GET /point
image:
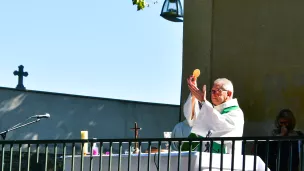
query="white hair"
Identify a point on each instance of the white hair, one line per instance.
(225, 83)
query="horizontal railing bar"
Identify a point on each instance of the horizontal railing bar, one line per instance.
(264, 138)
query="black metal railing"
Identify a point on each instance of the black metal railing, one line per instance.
(154, 154)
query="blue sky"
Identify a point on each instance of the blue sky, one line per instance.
(95, 48)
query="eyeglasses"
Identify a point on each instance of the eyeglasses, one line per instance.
(217, 91)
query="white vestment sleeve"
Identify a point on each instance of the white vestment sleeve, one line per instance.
(188, 110)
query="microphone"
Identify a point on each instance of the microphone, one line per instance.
(42, 116)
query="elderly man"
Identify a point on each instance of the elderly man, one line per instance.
(225, 119)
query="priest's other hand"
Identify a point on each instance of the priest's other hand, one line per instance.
(200, 95)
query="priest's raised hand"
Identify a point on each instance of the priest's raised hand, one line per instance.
(200, 95)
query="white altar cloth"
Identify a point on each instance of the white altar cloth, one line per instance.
(238, 162)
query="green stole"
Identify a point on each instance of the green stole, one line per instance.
(216, 147)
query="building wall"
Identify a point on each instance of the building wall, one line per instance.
(197, 40)
(103, 118)
(257, 44)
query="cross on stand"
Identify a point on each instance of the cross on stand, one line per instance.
(20, 73)
(136, 129)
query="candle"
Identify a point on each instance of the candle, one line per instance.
(84, 136)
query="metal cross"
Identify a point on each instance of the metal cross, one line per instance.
(20, 73)
(136, 129)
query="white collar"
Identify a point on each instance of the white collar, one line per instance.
(229, 103)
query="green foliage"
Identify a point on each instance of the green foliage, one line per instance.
(141, 4)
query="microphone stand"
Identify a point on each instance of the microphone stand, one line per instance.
(3, 134)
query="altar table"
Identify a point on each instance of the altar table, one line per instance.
(184, 159)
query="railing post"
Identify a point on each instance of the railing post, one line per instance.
(3, 157)
(189, 155)
(179, 155)
(20, 156)
(279, 156)
(211, 157)
(200, 155)
(301, 156)
(169, 155)
(138, 155)
(222, 155)
(119, 157)
(255, 154)
(149, 156)
(244, 156)
(267, 154)
(232, 155)
(100, 155)
(46, 157)
(11, 156)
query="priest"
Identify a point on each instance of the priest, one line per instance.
(222, 119)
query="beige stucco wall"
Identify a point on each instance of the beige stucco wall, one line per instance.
(196, 42)
(257, 44)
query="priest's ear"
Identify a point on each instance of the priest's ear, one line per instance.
(229, 93)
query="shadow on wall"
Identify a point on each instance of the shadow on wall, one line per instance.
(11, 104)
(102, 118)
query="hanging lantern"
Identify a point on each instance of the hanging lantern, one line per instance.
(172, 10)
